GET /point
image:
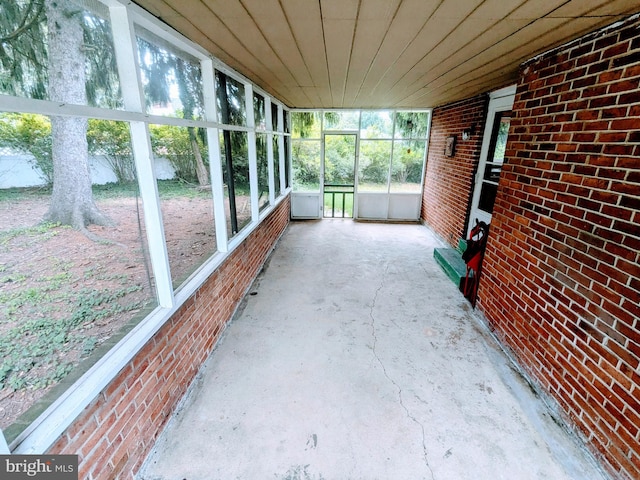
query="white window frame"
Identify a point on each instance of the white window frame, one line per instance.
(49, 425)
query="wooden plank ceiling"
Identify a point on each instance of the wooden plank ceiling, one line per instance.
(382, 53)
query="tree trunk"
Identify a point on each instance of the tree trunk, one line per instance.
(201, 169)
(71, 199)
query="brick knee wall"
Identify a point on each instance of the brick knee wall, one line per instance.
(114, 434)
(449, 180)
(561, 275)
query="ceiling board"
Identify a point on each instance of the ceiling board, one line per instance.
(203, 22)
(245, 31)
(338, 39)
(409, 20)
(481, 65)
(368, 38)
(374, 20)
(338, 9)
(270, 20)
(382, 53)
(534, 9)
(576, 8)
(305, 21)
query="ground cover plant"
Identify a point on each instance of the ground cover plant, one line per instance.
(62, 295)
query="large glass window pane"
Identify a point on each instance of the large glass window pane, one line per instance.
(171, 78)
(499, 137)
(232, 109)
(235, 169)
(306, 165)
(306, 124)
(493, 166)
(376, 124)
(339, 174)
(72, 63)
(274, 117)
(259, 111)
(406, 171)
(411, 125)
(339, 159)
(183, 153)
(187, 209)
(263, 170)
(64, 294)
(497, 146)
(373, 165)
(342, 120)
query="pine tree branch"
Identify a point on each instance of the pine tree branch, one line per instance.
(26, 22)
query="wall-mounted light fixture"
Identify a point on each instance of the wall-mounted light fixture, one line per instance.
(467, 133)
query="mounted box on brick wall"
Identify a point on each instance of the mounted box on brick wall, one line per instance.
(561, 280)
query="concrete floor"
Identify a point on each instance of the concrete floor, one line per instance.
(356, 358)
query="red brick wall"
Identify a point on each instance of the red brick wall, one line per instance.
(448, 180)
(561, 276)
(114, 434)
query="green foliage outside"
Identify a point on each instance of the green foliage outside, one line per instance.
(388, 154)
(339, 156)
(373, 168)
(376, 124)
(113, 140)
(305, 163)
(408, 157)
(240, 160)
(29, 133)
(305, 125)
(40, 342)
(174, 144)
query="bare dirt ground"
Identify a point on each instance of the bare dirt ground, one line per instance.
(63, 295)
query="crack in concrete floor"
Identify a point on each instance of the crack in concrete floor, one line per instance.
(386, 374)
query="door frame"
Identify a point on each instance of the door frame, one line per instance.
(356, 134)
(499, 101)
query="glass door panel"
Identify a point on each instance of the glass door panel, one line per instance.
(495, 160)
(492, 157)
(340, 150)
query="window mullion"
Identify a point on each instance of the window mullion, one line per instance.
(126, 55)
(224, 110)
(215, 161)
(281, 149)
(269, 121)
(253, 157)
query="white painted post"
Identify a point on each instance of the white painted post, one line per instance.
(281, 149)
(124, 42)
(215, 161)
(253, 157)
(272, 183)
